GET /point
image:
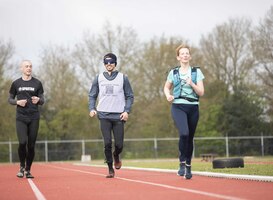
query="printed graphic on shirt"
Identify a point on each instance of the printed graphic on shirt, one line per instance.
(111, 95)
(26, 89)
(109, 89)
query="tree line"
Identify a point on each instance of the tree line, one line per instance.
(236, 58)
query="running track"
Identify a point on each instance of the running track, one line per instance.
(67, 181)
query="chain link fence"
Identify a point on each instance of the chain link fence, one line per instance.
(137, 148)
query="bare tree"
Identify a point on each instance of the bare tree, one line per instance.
(6, 52)
(88, 54)
(7, 112)
(158, 57)
(227, 52)
(262, 46)
(62, 87)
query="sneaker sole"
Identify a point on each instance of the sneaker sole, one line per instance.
(29, 175)
(110, 176)
(118, 165)
(187, 177)
(20, 174)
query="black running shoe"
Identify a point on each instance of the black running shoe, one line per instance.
(181, 170)
(20, 174)
(111, 173)
(28, 174)
(188, 174)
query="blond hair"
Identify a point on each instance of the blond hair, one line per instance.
(181, 47)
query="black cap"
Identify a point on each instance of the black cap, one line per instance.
(111, 56)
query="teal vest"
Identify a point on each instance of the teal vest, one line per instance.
(177, 84)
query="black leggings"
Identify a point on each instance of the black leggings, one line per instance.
(108, 126)
(186, 118)
(27, 132)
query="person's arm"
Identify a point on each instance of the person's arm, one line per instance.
(12, 95)
(167, 91)
(12, 99)
(129, 95)
(198, 87)
(93, 94)
(39, 99)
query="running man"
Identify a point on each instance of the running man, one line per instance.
(115, 99)
(26, 93)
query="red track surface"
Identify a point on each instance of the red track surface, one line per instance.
(67, 181)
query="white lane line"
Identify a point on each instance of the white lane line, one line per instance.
(157, 184)
(183, 189)
(36, 191)
(207, 174)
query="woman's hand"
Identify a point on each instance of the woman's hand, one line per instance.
(170, 98)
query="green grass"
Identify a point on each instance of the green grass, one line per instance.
(252, 165)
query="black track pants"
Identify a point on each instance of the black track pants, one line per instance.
(27, 132)
(108, 127)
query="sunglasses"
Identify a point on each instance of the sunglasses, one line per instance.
(109, 61)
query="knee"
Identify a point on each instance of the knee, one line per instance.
(183, 135)
(108, 146)
(118, 148)
(31, 147)
(183, 132)
(119, 144)
(22, 145)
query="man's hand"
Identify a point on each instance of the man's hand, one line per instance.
(92, 113)
(22, 102)
(35, 99)
(124, 116)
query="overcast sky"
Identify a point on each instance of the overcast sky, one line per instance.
(31, 24)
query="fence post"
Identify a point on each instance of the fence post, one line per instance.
(10, 152)
(227, 149)
(83, 147)
(46, 151)
(155, 147)
(262, 144)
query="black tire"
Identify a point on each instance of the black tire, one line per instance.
(228, 163)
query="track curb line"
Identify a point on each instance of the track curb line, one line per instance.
(208, 174)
